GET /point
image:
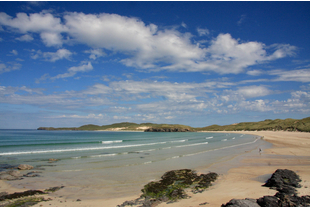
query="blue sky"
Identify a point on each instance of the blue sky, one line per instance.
(65, 64)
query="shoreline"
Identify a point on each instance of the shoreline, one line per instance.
(242, 178)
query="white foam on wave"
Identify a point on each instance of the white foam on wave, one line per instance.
(234, 138)
(166, 148)
(190, 145)
(184, 140)
(72, 170)
(111, 142)
(224, 140)
(209, 137)
(149, 162)
(104, 155)
(78, 149)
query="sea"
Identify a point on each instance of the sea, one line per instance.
(106, 164)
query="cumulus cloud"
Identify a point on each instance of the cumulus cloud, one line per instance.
(146, 46)
(254, 91)
(255, 72)
(302, 75)
(9, 67)
(59, 54)
(95, 53)
(74, 70)
(25, 38)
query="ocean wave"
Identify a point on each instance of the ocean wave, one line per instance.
(111, 142)
(184, 140)
(224, 140)
(209, 137)
(104, 155)
(190, 145)
(29, 144)
(77, 149)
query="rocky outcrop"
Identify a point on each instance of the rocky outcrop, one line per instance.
(172, 187)
(248, 202)
(285, 182)
(24, 167)
(169, 130)
(10, 175)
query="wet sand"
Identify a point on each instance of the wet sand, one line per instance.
(241, 177)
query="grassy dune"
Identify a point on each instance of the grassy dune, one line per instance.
(302, 125)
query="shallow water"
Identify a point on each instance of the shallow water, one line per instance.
(95, 164)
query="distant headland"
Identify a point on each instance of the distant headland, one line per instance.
(301, 125)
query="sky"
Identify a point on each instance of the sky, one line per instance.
(67, 64)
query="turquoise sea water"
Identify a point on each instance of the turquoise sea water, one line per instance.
(113, 162)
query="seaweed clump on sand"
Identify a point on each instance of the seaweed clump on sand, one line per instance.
(25, 198)
(172, 187)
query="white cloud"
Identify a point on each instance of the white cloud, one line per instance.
(254, 91)
(25, 38)
(257, 105)
(75, 116)
(184, 25)
(51, 38)
(46, 24)
(14, 52)
(282, 50)
(302, 75)
(203, 32)
(74, 70)
(146, 46)
(9, 67)
(59, 54)
(255, 72)
(95, 53)
(241, 20)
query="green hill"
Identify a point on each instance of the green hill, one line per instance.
(302, 125)
(120, 127)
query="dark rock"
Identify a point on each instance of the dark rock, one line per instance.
(24, 167)
(284, 181)
(21, 194)
(268, 201)
(4, 167)
(10, 175)
(32, 174)
(292, 200)
(78, 200)
(53, 189)
(241, 203)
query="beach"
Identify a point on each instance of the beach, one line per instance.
(240, 177)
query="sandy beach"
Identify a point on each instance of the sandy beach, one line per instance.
(242, 176)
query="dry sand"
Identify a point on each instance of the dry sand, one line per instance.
(290, 150)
